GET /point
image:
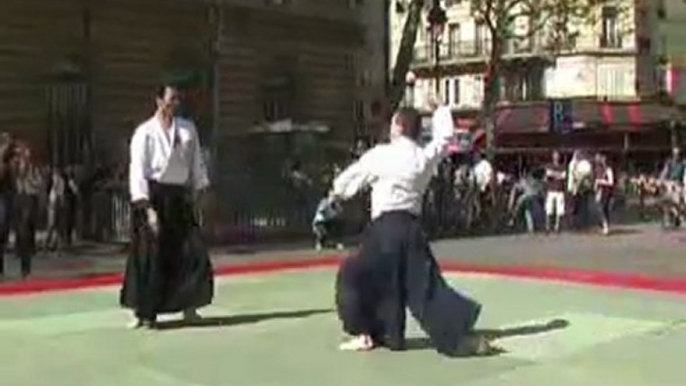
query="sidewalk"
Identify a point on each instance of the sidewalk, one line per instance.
(633, 250)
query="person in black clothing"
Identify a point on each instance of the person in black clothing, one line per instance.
(7, 150)
(27, 187)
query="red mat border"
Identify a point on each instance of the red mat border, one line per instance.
(596, 278)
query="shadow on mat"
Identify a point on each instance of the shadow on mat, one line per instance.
(423, 343)
(235, 320)
(533, 329)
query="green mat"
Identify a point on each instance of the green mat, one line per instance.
(280, 329)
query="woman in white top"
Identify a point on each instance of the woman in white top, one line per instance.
(580, 186)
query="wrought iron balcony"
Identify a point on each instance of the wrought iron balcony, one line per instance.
(611, 42)
(472, 50)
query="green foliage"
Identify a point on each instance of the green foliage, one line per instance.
(556, 23)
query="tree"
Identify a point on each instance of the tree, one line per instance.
(554, 22)
(405, 52)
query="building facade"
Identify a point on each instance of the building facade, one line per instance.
(620, 70)
(77, 76)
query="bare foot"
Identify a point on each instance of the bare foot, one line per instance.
(358, 343)
(135, 324)
(479, 345)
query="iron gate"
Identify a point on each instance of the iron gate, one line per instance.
(69, 132)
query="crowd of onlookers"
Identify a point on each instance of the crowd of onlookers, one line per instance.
(34, 196)
(549, 196)
(546, 196)
(470, 194)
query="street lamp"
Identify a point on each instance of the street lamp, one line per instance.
(437, 19)
(410, 79)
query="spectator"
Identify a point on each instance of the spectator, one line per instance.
(604, 184)
(555, 197)
(27, 187)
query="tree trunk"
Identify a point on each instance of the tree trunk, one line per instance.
(405, 53)
(491, 97)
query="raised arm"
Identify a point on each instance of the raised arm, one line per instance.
(442, 131)
(356, 177)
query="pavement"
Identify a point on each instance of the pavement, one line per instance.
(639, 249)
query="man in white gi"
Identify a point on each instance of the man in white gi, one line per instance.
(395, 268)
(168, 269)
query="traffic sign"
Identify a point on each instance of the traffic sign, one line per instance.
(561, 116)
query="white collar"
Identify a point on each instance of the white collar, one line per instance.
(168, 137)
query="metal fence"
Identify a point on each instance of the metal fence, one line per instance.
(448, 211)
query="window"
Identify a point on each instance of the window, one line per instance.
(455, 93)
(278, 94)
(478, 84)
(525, 85)
(358, 111)
(453, 38)
(615, 81)
(451, 91)
(481, 38)
(535, 84)
(446, 90)
(610, 28)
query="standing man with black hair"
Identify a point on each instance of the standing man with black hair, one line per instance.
(168, 269)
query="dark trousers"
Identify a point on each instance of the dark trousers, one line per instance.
(395, 270)
(581, 203)
(603, 205)
(26, 206)
(327, 232)
(5, 226)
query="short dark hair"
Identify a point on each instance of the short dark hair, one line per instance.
(410, 120)
(162, 89)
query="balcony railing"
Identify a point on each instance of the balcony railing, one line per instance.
(471, 50)
(612, 42)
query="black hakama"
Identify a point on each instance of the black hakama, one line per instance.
(169, 272)
(396, 269)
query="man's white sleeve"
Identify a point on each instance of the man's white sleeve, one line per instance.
(139, 154)
(442, 131)
(357, 176)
